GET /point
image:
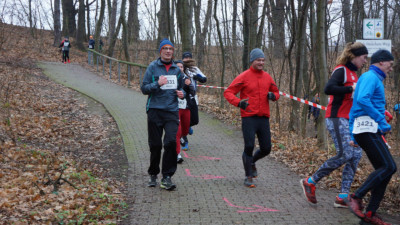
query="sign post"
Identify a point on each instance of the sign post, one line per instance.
(373, 33)
(373, 29)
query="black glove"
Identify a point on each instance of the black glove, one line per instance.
(243, 103)
(271, 96)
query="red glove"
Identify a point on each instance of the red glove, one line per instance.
(388, 116)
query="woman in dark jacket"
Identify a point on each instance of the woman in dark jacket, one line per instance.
(340, 88)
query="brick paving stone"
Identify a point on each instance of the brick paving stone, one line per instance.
(197, 200)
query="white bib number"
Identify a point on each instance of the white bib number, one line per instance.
(90, 46)
(364, 124)
(182, 103)
(172, 82)
(196, 99)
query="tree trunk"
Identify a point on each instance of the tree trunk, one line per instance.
(57, 23)
(124, 30)
(250, 17)
(81, 32)
(69, 23)
(133, 21)
(221, 45)
(346, 14)
(234, 19)
(99, 25)
(322, 68)
(260, 33)
(301, 57)
(163, 21)
(184, 24)
(114, 39)
(30, 19)
(278, 23)
(201, 43)
(172, 23)
(358, 17)
(112, 19)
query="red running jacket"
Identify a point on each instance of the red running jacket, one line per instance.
(254, 85)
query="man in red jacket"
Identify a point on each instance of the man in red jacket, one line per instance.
(256, 88)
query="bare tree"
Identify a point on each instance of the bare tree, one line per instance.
(301, 58)
(99, 24)
(234, 22)
(112, 13)
(81, 32)
(200, 42)
(346, 14)
(184, 24)
(87, 5)
(322, 67)
(69, 22)
(163, 21)
(133, 21)
(221, 45)
(57, 23)
(250, 18)
(278, 23)
(358, 15)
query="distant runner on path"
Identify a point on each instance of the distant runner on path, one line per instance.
(163, 82)
(256, 88)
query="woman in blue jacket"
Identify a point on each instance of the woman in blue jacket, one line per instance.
(367, 125)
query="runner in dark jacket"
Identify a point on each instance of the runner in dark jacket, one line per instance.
(340, 88)
(162, 82)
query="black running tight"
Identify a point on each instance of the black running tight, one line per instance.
(383, 163)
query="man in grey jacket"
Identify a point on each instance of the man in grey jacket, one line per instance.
(163, 82)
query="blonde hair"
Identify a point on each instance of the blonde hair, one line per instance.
(347, 55)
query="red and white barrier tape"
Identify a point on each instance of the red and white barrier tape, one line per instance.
(281, 93)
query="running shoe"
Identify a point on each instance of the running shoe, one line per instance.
(254, 171)
(190, 131)
(340, 203)
(180, 159)
(185, 147)
(69, 61)
(166, 183)
(152, 181)
(65, 62)
(355, 206)
(248, 182)
(373, 219)
(182, 141)
(308, 190)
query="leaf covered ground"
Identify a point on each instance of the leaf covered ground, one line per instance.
(62, 163)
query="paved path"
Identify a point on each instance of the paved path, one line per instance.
(210, 186)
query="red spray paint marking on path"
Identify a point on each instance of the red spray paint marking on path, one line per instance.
(205, 176)
(250, 209)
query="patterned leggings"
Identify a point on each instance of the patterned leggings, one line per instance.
(345, 154)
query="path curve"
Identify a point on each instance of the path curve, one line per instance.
(210, 186)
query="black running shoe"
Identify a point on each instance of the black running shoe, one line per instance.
(167, 184)
(254, 171)
(248, 182)
(152, 181)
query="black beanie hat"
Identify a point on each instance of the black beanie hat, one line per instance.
(178, 61)
(187, 55)
(360, 51)
(381, 56)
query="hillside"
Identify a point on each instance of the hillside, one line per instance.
(44, 124)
